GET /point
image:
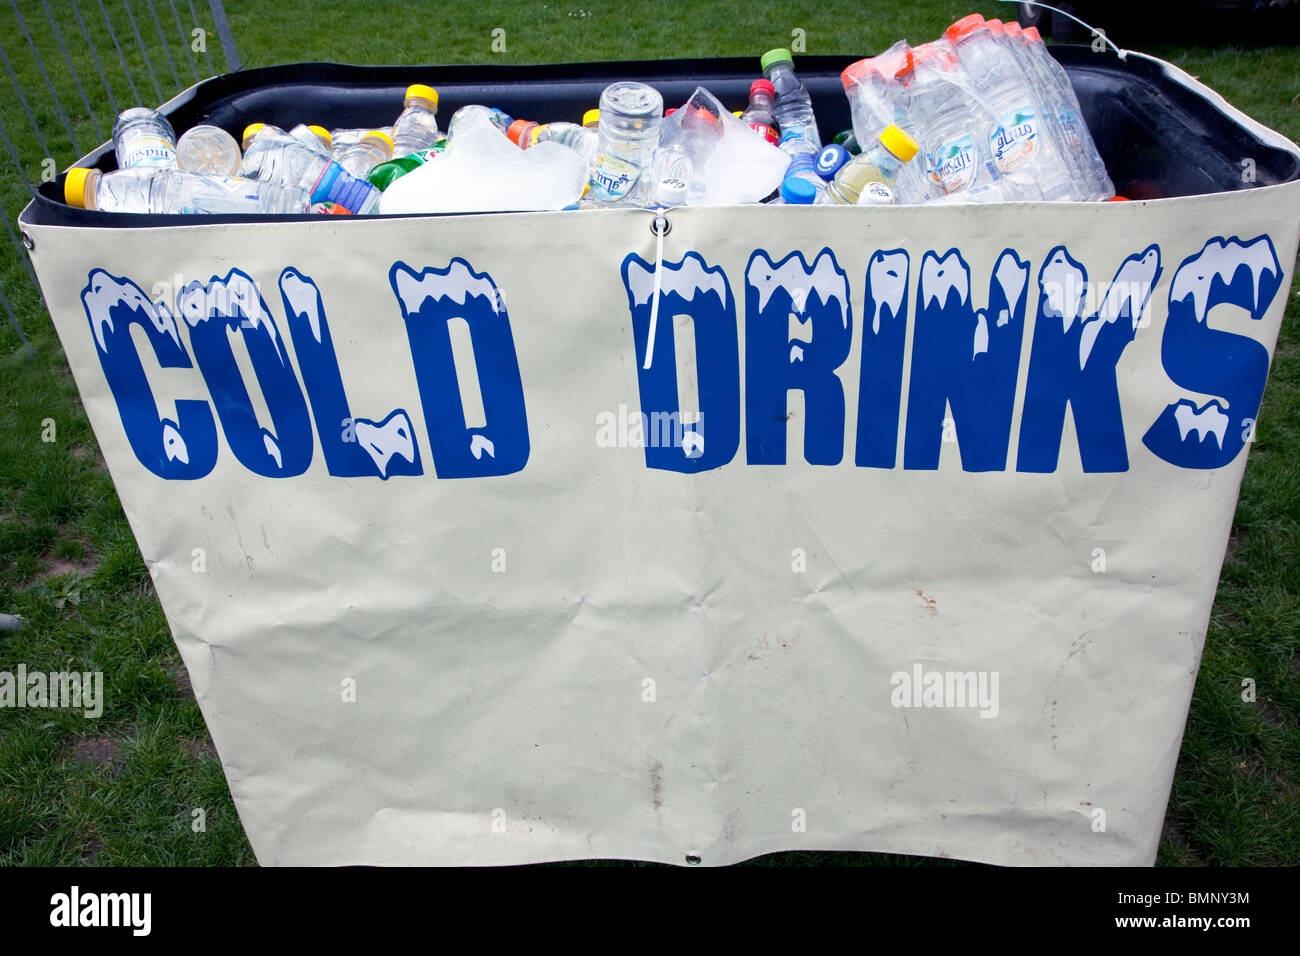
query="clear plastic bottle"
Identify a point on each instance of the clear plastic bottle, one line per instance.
(144, 137)
(497, 118)
(315, 138)
(1100, 185)
(628, 134)
(162, 191)
(869, 179)
(374, 148)
(1018, 139)
(793, 110)
(208, 149)
(950, 122)
(417, 127)
(758, 116)
(275, 156)
(580, 138)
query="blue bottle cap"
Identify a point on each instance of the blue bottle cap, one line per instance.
(798, 191)
(830, 159)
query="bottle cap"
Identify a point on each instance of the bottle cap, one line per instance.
(75, 185)
(250, 131)
(1012, 29)
(965, 26)
(856, 73)
(1032, 35)
(764, 86)
(671, 191)
(830, 159)
(797, 191)
(590, 117)
(421, 92)
(738, 113)
(779, 55)
(518, 132)
(380, 135)
(898, 143)
(670, 112)
(323, 133)
(997, 27)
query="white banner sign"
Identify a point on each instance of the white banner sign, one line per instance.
(891, 529)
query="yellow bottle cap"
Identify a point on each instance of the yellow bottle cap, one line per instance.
(380, 134)
(737, 113)
(420, 91)
(591, 116)
(74, 186)
(898, 143)
(323, 133)
(250, 131)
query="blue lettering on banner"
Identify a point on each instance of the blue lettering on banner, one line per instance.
(1073, 362)
(884, 335)
(428, 299)
(964, 359)
(817, 297)
(1210, 361)
(233, 303)
(692, 289)
(798, 335)
(182, 449)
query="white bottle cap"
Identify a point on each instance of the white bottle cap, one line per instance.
(671, 192)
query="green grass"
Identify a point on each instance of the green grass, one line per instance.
(121, 789)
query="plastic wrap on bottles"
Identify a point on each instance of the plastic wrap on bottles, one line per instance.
(482, 171)
(728, 161)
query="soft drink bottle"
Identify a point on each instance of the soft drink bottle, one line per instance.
(144, 137)
(417, 127)
(758, 115)
(869, 179)
(163, 190)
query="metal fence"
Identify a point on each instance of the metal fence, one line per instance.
(73, 66)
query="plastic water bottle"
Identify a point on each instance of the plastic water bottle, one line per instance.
(374, 148)
(274, 156)
(1099, 186)
(758, 116)
(163, 190)
(630, 115)
(417, 126)
(208, 149)
(580, 138)
(497, 118)
(144, 137)
(1018, 138)
(869, 179)
(957, 154)
(315, 138)
(793, 111)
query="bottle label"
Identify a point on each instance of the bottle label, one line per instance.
(614, 178)
(1015, 139)
(952, 165)
(1070, 127)
(336, 185)
(876, 194)
(791, 133)
(765, 131)
(147, 149)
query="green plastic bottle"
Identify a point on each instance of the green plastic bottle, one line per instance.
(382, 176)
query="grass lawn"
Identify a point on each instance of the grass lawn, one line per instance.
(121, 789)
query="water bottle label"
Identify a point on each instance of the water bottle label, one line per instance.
(791, 133)
(613, 178)
(1015, 139)
(769, 134)
(147, 149)
(876, 194)
(336, 185)
(1070, 127)
(952, 165)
